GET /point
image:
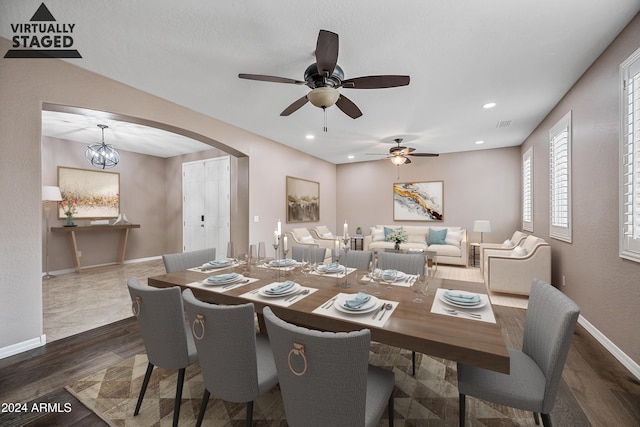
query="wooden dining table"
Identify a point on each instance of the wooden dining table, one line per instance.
(410, 326)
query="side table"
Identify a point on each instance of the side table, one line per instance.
(475, 250)
(357, 243)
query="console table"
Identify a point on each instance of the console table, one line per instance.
(122, 247)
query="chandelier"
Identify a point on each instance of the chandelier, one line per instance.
(102, 155)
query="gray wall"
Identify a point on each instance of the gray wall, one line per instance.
(477, 185)
(606, 287)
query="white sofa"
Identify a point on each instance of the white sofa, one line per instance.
(512, 270)
(454, 251)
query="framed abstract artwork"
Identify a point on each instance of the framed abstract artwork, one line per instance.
(303, 200)
(91, 193)
(418, 201)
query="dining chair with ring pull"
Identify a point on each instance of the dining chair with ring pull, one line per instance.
(168, 343)
(236, 363)
(325, 377)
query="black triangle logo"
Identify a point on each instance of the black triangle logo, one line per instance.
(42, 14)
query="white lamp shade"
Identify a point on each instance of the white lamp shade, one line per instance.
(482, 226)
(51, 193)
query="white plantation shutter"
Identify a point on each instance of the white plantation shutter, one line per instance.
(630, 159)
(527, 190)
(560, 179)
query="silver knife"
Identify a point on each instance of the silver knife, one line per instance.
(378, 311)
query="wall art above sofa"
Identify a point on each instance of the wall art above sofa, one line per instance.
(418, 201)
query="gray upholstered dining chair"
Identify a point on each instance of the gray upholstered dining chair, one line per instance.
(536, 370)
(236, 363)
(325, 377)
(168, 343)
(360, 260)
(407, 263)
(302, 252)
(183, 260)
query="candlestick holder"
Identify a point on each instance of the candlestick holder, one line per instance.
(278, 267)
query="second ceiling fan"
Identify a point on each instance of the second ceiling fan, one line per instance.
(399, 154)
(325, 76)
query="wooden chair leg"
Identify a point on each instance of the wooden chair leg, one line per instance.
(391, 410)
(546, 420)
(145, 383)
(461, 408)
(203, 407)
(176, 408)
(249, 413)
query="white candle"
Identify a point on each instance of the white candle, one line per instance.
(284, 244)
(279, 229)
(336, 248)
(345, 231)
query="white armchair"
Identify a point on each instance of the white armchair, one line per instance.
(515, 240)
(322, 233)
(302, 237)
(513, 271)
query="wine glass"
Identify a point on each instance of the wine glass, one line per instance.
(262, 252)
(389, 276)
(419, 287)
(375, 278)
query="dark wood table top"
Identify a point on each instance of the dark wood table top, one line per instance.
(411, 326)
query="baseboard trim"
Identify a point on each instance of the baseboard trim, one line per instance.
(130, 261)
(626, 361)
(23, 346)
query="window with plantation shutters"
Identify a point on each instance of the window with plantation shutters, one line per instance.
(527, 190)
(630, 159)
(560, 179)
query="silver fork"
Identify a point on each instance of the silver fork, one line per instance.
(293, 297)
(457, 312)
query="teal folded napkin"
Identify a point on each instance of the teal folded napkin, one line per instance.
(334, 267)
(357, 301)
(462, 298)
(223, 277)
(389, 274)
(283, 262)
(219, 263)
(280, 288)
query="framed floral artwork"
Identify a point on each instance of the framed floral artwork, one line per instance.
(88, 193)
(303, 200)
(418, 201)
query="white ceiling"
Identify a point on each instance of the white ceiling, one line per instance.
(460, 54)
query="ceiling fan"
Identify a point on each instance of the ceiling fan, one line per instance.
(398, 154)
(325, 76)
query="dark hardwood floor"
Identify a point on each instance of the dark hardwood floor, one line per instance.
(596, 390)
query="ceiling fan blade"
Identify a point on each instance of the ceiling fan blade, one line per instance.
(348, 107)
(375, 82)
(327, 52)
(296, 105)
(408, 161)
(423, 154)
(273, 79)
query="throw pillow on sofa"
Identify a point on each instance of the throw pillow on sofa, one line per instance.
(507, 244)
(377, 234)
(519, 251)
(388, 231)
(437, 237)
(453, 238)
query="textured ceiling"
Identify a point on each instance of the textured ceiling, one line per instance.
(460, 55)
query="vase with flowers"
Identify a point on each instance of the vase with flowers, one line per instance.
(397, 236)
(69, 207)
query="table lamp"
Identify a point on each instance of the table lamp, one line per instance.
(482, 226)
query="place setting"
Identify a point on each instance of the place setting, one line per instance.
(285, 264)
(215, 265)
(280, 293)
(359, 307)
(332, 270)
(391, 277)
(223, 282)
(466, 305)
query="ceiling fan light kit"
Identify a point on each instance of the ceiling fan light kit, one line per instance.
(323, 97)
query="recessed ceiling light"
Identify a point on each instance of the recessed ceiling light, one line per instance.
(489, 105)
(309, 136)
(479, 142)
(351, 156)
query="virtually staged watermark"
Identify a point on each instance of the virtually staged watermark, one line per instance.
(42, 37)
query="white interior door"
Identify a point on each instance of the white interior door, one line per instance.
(207, 205)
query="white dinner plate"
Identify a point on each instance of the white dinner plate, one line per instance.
(400, 276)
(282, 262)
(482, 302)
(292, 290)
(239, 278)
(368, 307)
